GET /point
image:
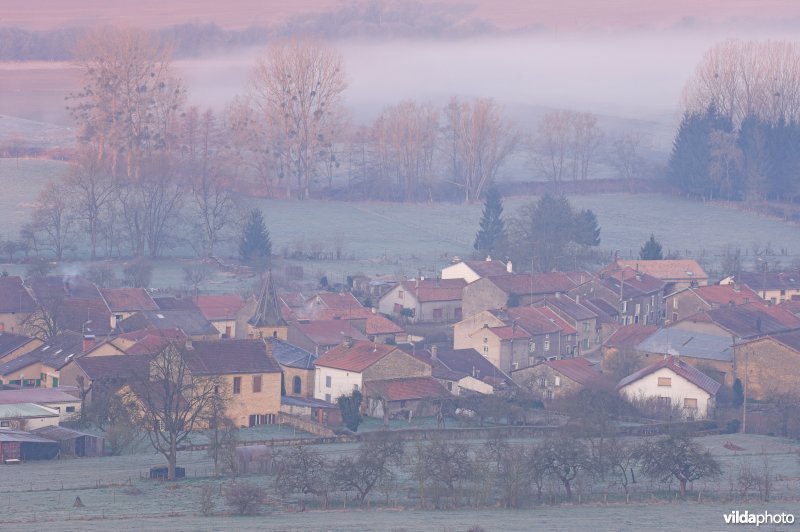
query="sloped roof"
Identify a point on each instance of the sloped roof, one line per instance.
(577, 369)
(268, 313)
(36, 395)
(749, 321)
(406, 389)
(336, 300)
(536, 284)
(378, 324)
(13, 296)
(291, 356)
(10, 342)
(66, 286)
(221, 307)
(7, 435)
(507, 332)
(327, 332)
(534, 320)
(175, 303)
(427, 290)
(789, 339)
(468, 362)
(564, 325)
(307, 402)
(791, 305)
(629, 336)
(75, 314)
(61, 433)
(114, 367)
(789, 280)
(568, 306)
(128, 299)
(606, 313)
(679, 342)
(25, 410)
(679, 367)
(724, 294)
(191, 322)
(486, 268)
(221, 357)
(667, 269)
(55, 353)
(633, 283)
(358, 357)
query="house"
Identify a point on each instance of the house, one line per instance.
(27, 416)
(424, 300)
(351, 364)
(68, 405)
(689, 301)
(472, 270)
(677, 274)
(675, 384)
(319, 336)
(71, 302)
(175, 303)
(556, 379)
(40, 367)
(464, 371)
(420, 396)
(607, 318)
(517, 290)
(584, 320)
(191, 322)
(297, 365)
(741, 322)
(517, 337)
(636, 296)
(624, 343)
(774, 287)
(768, 366)
(713, 354)
(267, 320)
(72, 442)
(98, 377)
(14, 345)
(248, 371)
(16, 446)
(16, 304)
(324, 306)
(379, 328)
(225, 312)
(124, 302)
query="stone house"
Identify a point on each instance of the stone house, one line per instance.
(773, 287)
(637, 297)
(677, 274)
(227, 313)
(556, 379)
(297, 365)
(741, 322)
(768, 366)
(584, 320)
(124, 302)
(690, 301)
(472, 270)
(424, 300)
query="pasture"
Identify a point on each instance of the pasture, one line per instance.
(39, 495)
(408, 239)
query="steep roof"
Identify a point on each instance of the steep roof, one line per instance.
(571, 308)
(221, 357)
(633, 283)
(486, 268)
(427, 290)
(606, 313)
(406, 389)
(724, 294)
(62, 286)
(10, 342)
(535, 320)
(291, 356)
(221, 307)
(327, 332)
(378, 324)
(357, 357)
(679, 367)
(679, 342)
(577, 369)
(268, 312)
(536, 284)
(13, 296)
(114, 367)
(629, 336)
(175, 303)
(55, 353)
(191, 322)
(128, 299)
(468, 362)
(667, 269)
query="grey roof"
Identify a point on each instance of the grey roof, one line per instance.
(570, 307)
(191, 322)
(9, 342)
(268, 313)
(307, 402)
(25, 410)
(679, 367)
(225, 357)
(61, 433)
(288, 355)
(40, 396)
(678, 342)
(19, 436)
(55, 353)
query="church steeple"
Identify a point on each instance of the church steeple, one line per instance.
(268, 312)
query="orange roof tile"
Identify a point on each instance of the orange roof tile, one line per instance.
(358, 357)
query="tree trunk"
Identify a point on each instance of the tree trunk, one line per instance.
(172, 460)
(683, 488)
(568, 489)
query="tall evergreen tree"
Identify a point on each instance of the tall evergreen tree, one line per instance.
(587, 231)
(255, 246)
(651, 250)
(492, 232)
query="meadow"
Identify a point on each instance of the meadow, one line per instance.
(408, 239)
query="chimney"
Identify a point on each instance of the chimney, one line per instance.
(488, 258)
(509, 267)
(347, 341)
(736, 287)
(434, 351)
(88, 342)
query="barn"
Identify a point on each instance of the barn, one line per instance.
(73, 443)
(16, 446)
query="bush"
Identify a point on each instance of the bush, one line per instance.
(245, 498)
(207, 500)
(733, 426)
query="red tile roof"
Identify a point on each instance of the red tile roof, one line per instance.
(75, 315)
(377, 324)
(128, 299)
(327, 332)
(356, 358)
(486, 268)
(435, 289)
(506, 332)
(578, 369)
(533, 320)
(563, 324)
(223, 307)
(333, 300)
(629, 336)
(679, 367)
(724, 294)
(667, 269)
(114, 367)
(406, 389)
(536, 284)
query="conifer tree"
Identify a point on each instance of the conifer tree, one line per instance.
(255, 247)
(587, 231)
(651, 250)
(492, 232)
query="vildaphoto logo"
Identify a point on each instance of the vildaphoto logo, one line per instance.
(763, 518)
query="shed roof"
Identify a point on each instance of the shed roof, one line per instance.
(36, 395)
(307, 402)
(406, 389)
(61, 433)
(7, 435)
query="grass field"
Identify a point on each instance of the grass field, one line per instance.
(40, 495)
(404, 239)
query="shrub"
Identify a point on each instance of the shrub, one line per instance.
(245, 498)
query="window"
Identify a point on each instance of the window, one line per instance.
(327, 381)
(548, 395)
(690, 403)
(557, 381)
(485, 340)
(118, 317)
(297, 385)
(256, 383)
(486, 351)
(5, 424)
(674, 316)
(70, 409)
(457, 313)
(542, 382)
(402, 404)
(547, 342)
(327, 397)
(664, 401)
(437, 313)
(237, 385)
(586, 327)
(355, 387)
(665, 381)
(652, 301)
(675, 303)
(638, 309)
(624, 307)
(399, 294)
(585, 343)
(531, 346)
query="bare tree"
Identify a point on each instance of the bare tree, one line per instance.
(586, 138)
(477, 142)
(304, 471)
(566, 457)
(195, 274)
(677, 457)
(370, 468)
(47, 319)
(626, 157)
(726, 161)
(553, 144)
(172, 402)
(52, 219)
(298, 87)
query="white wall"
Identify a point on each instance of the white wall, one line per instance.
(679, 390)
(342, 383)
(459, 271)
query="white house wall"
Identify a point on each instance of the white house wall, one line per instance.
(679, 390)
(342, 383)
